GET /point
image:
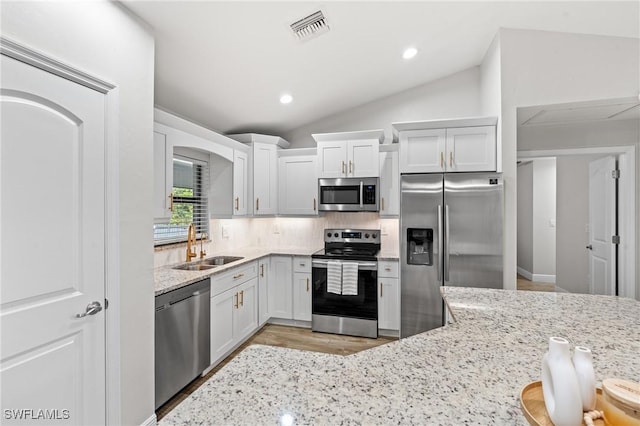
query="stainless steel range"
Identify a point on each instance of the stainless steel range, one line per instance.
(345, 275)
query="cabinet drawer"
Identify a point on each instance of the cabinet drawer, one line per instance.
(233, 277)
(301, 264)
(388, 268)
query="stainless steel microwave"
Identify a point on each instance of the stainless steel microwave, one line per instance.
(349, 194)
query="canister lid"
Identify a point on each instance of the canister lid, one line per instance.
(624, 391)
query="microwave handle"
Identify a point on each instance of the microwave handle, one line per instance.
(361, 194)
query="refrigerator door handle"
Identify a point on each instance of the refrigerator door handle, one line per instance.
(446, 248)
(440, 244)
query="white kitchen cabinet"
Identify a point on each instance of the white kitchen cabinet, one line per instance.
(471, 149)
(302, 288)
(298, 185)
(280, 297)
(388, 295)
(263, 290)
(348, 154)
(389, 184)
(264, 174)
(462, 145)
(162, 176)
(240, 167)
(234, 309)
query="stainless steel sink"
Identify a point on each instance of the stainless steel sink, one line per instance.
(209, 263)
(199, 266)
(220, 260)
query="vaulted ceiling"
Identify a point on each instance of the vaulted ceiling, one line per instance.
(226, 64)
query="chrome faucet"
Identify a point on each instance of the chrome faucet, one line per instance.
(191, 243)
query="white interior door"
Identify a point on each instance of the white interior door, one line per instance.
(602, 226)
(52, 262)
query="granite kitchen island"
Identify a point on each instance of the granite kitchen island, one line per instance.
(468, 372)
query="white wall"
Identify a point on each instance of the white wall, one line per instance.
(102, 39)
(544, 218)
(540, 68)
(525, 218)
(457, 95)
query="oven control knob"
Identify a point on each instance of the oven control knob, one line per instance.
(335, 235)
(374, 235)
(328, 234)
(366, 235)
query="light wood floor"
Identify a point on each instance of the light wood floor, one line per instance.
(525, 284)
(285, 337)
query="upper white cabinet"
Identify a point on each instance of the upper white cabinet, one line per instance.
(465, 145)
(348, 154)
(240, 165)
(262, 172)
(389, 181)
(162, 175)
(297, 183)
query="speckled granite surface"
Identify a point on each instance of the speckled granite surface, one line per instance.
(167, 279)
(470, 372)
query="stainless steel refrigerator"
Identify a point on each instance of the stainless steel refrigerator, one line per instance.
(450, 234)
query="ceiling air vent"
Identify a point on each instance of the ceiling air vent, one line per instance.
(310, 26)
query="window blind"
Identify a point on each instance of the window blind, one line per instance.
(190, 201)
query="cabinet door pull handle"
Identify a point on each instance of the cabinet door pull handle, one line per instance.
(242, 298)
(307, 285)
(450, 158)
(343, 172)
(380, 289)
(257, 204)
(237, 203)
(382, 203)
(350, 167)
(262, 270)
(441, 160)
(235, 277)
(235, 304)
(171, 202)
(314, 204)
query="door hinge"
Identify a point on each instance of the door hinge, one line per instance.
(615, 174)
(615, 239)
(106, 303)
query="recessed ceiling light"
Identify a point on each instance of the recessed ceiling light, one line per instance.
(409, 53)
(286, 98)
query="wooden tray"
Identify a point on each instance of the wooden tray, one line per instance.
(532, 404)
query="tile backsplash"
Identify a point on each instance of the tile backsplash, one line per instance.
(281, 232)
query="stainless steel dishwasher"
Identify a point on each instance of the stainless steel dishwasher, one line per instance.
(181, 338)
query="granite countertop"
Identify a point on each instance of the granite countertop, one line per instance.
(468, 372)
(167, 279)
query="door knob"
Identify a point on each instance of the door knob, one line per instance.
(92, 309)
(590, 247)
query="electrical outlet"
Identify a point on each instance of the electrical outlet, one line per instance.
(276, 228)
(225, 231)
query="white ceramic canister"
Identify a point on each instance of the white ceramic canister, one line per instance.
(560, 385)
(583, 364)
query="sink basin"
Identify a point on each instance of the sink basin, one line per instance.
(220, 260)
(200, 266)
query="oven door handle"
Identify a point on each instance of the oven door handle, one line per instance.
(361, 265)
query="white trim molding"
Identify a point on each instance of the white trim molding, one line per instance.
(112, 213)
(151, 421)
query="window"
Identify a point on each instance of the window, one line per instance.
(190, 201)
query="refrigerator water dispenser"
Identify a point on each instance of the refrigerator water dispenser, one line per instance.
(420, 246)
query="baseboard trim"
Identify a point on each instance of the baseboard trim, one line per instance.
(151, 421)
(528, 275)
(543, 278)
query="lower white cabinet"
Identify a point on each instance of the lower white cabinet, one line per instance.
(302, 288)
(388, 295)
(263, 290)
(234, 309)
(280, 296)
